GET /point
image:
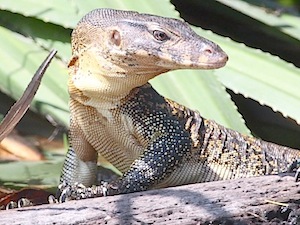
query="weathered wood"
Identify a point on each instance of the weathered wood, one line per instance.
(242, 201)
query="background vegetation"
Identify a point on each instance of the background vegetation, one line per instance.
(259, 85)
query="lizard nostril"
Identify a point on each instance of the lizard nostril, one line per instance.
(208, 51)
(226, 58)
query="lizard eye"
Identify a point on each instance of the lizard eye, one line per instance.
(160, 35)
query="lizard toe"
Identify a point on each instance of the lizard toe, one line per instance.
(297, 175)
(295, 167)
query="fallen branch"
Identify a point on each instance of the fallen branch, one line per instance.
(245, 201)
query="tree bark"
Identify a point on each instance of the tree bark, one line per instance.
(242, 201)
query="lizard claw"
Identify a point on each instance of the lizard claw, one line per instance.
(295, 166)
(23, 202)
(52, 199)
(11, 205)
(297, 175)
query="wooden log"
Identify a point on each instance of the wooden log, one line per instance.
(243, 201)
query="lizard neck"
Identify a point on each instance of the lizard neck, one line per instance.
(99, 83)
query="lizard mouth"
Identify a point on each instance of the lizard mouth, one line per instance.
(208, 65)
(212, 59)
(220, 62)
(203, 62)
(212, 65)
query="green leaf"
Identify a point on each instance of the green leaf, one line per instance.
(22, 174)
(47, 35)
(62, 12)
(67, 14)
(260, 76)
(259, 13)
(266, 79)
(20, 58)
(158, 7)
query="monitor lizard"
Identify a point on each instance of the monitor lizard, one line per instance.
(154, 141)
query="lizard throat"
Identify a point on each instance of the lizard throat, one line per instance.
(102, 91)
(98, 82)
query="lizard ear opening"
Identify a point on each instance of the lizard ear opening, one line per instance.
(73, 61)
(115, 37)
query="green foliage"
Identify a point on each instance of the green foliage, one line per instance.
(265, 78)
(40, 174)
(285, 23)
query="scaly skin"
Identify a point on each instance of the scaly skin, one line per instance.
(153, 141)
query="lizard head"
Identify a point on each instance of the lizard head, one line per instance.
(116, 44)
(133, 40)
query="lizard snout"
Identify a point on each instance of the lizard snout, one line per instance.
(212, 57)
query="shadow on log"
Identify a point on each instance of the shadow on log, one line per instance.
(258, 200)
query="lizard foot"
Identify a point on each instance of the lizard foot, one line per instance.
(79, 191)
(297, 176)
(23, 202)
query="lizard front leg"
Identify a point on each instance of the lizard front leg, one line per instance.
(160, 159)
(163, 154)
(80, 166)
